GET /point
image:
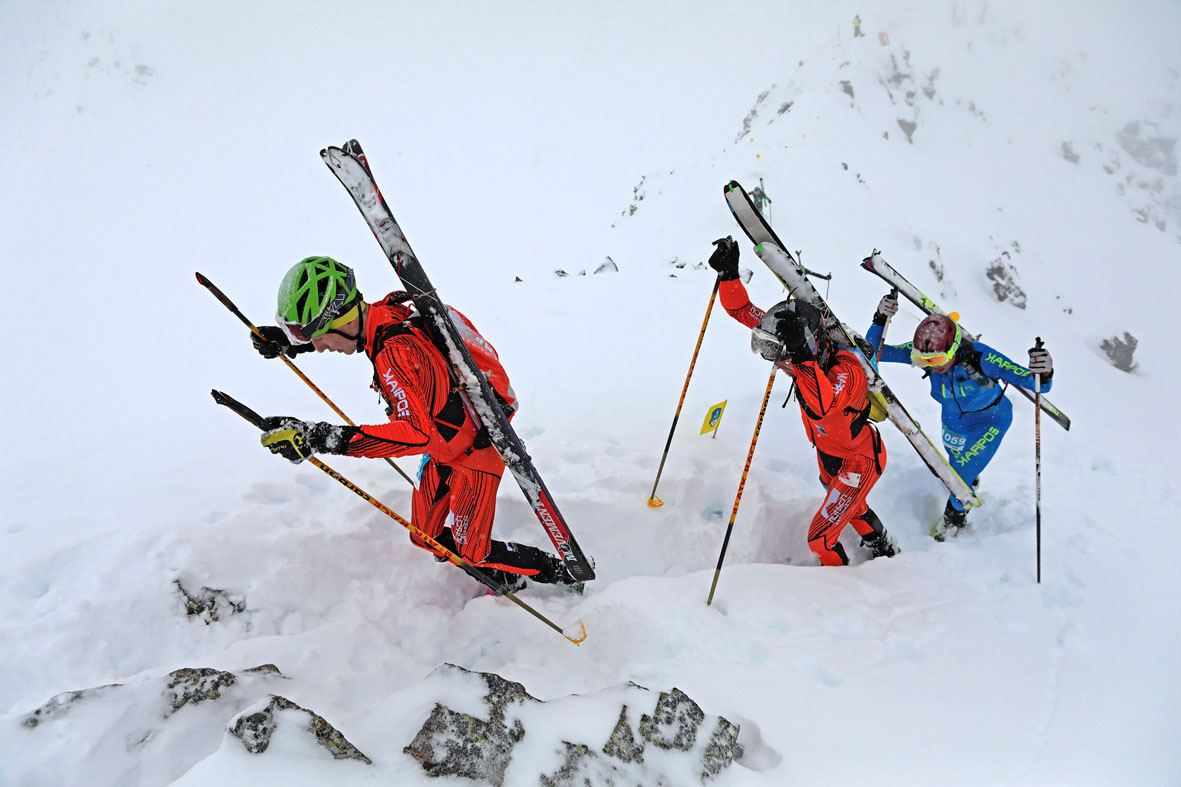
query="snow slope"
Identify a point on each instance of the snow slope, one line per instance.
(514, 142)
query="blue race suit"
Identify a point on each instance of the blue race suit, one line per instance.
(976, 412)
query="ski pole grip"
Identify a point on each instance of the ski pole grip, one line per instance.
(226, 302)
(226, 400)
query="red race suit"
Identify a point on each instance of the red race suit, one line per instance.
(834, 407)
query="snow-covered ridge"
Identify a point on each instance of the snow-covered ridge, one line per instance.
(149, 533)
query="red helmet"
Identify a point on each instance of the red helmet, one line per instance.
(936, 340)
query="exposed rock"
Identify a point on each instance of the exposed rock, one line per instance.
(908, 128)
(748, 121)
(1152, 150)
(1069, 154)
(191, 686)
(456, 744)
(151, 729)
(608, 266)
(668, 747)
(451, 743)
(255, 730)
(209, 604)
(622, 745)
(722, 750)
(674, 723)
(582, 767)
(270, 669)
(59, 705)
(1003, 276)
(1119, 351)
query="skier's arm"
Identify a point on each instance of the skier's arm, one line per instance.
(737, 303)
(891, 353)
(999, 367)
(410, 427)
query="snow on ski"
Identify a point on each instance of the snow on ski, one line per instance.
(774, 254)
(876, 264)
(353, 172)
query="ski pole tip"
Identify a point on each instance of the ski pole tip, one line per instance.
(655, 502)
(577, 640)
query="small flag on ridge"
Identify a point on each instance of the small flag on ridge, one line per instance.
(714, 417)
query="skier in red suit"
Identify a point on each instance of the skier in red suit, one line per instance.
(832, 391)
(321, 309)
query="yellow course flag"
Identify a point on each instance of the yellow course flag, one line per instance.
(713, 417)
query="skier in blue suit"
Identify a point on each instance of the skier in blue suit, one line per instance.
(966, 379)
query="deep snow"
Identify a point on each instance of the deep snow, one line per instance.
(511, 142)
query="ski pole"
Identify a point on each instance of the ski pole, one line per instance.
(225, 301)
(255, 419)
(745, 469)
(653, 500)
(1037, 458)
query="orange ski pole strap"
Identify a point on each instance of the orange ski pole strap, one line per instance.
(256, 420)
(225, 301)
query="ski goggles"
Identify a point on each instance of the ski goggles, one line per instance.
(934, 360)
(303, 333)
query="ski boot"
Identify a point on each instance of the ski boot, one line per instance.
(951, 525)
(880, 545)
(556, 573)
(512, 583)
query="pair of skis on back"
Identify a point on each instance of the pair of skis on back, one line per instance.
(349, 165)
(792, 275)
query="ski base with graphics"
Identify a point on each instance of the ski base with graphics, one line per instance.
(877, 265)
(791, 274)
(350, 167)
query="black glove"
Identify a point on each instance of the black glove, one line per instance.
(887, 308)
(1040, 361)
(296, 440)
(274, 343)
(724, 260)
(790, 331)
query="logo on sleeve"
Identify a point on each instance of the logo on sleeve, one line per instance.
(395, 394)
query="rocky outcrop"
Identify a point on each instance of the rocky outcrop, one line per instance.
(255, 726)
(677, 743)
(1119, 351)
(1003, 275)
(209, 604)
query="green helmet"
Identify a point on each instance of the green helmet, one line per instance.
(314, 293)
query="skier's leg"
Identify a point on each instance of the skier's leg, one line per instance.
(428, 505)
(845, 499)
(978, 436)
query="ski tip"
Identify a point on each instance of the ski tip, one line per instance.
(201, 279)
(578, 638)
(218, 396)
